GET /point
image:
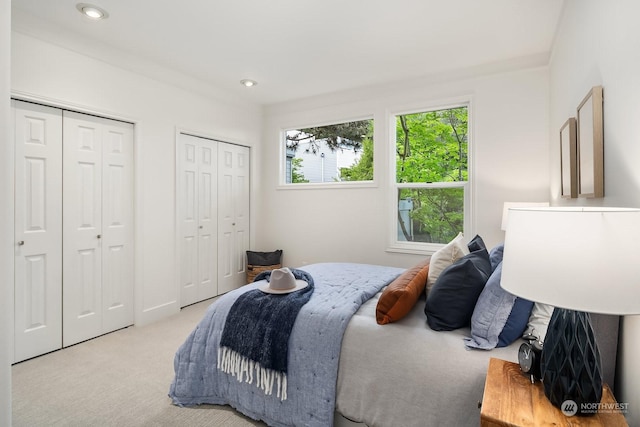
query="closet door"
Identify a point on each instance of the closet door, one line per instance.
(97, 226)
(117, 225)
(196, 197)
(233, 215)
(38, 229)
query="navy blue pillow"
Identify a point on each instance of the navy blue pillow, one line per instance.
(516, 323)
(451, 301)
(476, 244)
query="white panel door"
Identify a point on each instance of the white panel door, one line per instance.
(82, 228)
(97, 226)
(38, 229)
(207, 221)
(117, 225)
(196, 196)
(233, 215)
(187, 199)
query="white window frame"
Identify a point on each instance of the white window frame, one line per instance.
(283, 185)
(421, 248)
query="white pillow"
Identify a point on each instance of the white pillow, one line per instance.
(444, 257)
(538, 321)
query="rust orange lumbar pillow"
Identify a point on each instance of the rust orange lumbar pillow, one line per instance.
(401, 295)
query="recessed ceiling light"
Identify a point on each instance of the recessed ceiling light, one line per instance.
(248, 82)
(92, 11)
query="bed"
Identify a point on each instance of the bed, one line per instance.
(419, 377)
(347, 367)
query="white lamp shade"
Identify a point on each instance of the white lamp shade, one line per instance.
(585, 259)
(509, 205)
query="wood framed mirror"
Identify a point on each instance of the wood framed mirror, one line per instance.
(568, 160)
(590, 124)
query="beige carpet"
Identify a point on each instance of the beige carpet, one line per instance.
(119, 379)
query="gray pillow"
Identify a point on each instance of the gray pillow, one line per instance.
(499, 317)
(490, 313)
(495, 255)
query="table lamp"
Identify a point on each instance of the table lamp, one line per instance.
(508, 205)
(580, 260)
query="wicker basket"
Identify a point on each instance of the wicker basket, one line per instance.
(254, 270)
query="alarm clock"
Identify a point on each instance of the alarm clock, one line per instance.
(529, 356)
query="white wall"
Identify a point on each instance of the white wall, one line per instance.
(598, 44)
(6, 218)
(510, 159)
(51, 73)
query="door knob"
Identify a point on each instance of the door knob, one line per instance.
(233, 223)
(201, 227)
(21, 243)
(99, 236)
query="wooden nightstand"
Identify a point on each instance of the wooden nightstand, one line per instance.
(511, 400)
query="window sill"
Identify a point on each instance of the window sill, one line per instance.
(328, 185)
(426, 249)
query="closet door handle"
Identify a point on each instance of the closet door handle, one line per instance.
(99, 236)
(21, 243)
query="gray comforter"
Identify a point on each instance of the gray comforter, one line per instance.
(314, 350)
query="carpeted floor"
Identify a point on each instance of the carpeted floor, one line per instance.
(120, 379)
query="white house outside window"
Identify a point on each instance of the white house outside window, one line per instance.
(332, 154)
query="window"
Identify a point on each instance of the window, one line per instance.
(329, 154)
(431, 177)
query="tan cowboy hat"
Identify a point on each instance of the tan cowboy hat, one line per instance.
(282, 282)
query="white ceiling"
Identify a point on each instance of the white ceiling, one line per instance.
(297, 48)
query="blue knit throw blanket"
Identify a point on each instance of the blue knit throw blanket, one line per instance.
(255, 341)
